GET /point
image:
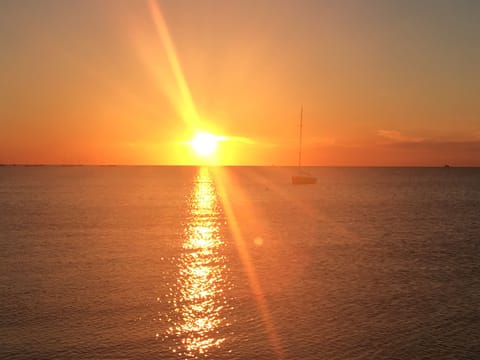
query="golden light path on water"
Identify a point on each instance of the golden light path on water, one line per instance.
(202, 300)
(198, 298)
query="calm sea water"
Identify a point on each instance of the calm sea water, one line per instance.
(237, 263)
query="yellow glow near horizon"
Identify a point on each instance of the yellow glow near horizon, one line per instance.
(205, 144)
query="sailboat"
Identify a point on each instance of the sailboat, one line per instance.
(302, 178)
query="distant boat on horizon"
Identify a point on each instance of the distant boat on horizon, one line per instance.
(302, 178)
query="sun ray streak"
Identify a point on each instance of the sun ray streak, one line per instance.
(308, 211)
(186, 106)
(221, 179)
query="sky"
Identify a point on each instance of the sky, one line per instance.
(381, 82)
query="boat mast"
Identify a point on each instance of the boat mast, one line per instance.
(300, 140)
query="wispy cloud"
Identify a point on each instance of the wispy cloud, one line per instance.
(442, 145)
(323, 141)
(240, 139)
(397, 137)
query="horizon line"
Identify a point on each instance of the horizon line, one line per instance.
(243, 165)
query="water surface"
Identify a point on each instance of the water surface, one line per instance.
(237, 263)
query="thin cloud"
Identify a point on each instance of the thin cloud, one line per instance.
(240, 139)
(247, 141)
(250, 141)
(394, 136)
(441, 145)
(323, 141)
(398, 140)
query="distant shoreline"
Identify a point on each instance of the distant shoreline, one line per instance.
(279, 166)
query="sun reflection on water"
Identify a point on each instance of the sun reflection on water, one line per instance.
(198, 298)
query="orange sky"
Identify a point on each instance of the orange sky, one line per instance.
(130, 82)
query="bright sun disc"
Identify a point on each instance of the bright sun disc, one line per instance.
(204, 144)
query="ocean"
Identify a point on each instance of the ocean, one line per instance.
(238, 263)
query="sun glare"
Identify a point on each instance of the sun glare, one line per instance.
(204, 144)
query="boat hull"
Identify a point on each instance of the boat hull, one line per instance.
(303, 179)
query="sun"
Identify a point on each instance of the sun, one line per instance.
(204, 144)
